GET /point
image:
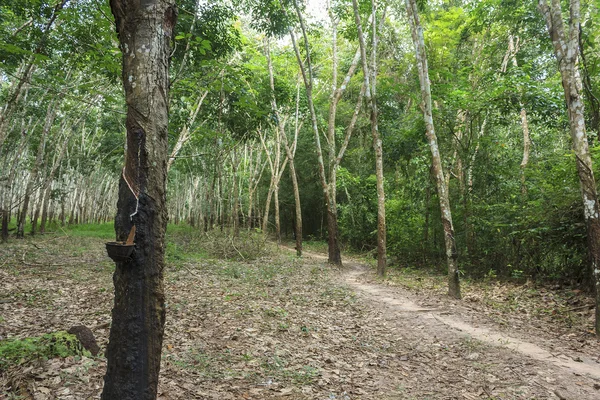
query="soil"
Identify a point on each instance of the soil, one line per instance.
(282, 327)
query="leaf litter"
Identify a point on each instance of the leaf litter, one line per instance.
(276, 327)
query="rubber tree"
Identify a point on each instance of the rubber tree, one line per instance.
(328, 174)
(437, 171)
(513, 48)
(566, 50)
(334, 252)
(370, 84)
(145, 31)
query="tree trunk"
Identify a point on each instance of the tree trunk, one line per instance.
(184, 136)
(421, 58)
(290, 157)
(333, 239)
(6, 195)
(50, 116)
(27, 70)
(513, 48)
(37, 210)
(297, 208)
(332, 226)
(566, 45)
(277, 220)
(145, 30)
(370, 76)
(45, 204)
(235, 207)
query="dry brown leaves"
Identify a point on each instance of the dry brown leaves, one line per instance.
(278, 327)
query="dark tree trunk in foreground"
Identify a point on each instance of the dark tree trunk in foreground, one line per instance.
(145, 30)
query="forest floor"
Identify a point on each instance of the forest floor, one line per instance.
(283, 327)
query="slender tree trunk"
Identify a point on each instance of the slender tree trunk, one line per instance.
(566, 50)
(220, 205)
(235, 208)
(50, 115)
(513, 48)
(421, 58)
(185, 134)
(7, 192)
(332, 226)
(297, 208)
(277, 220)
(290, 158)
(328, 178)
(37, 210)
(426, 227)
(45, 204)
(265, 222)
(370, 76)
(26, 71)
(47, 182)
(145, 29)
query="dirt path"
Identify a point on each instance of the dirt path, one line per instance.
(565, 375)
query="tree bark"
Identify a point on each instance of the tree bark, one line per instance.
(421, 58)
(370, 76)
(290, 157)
(513, 48)
(307, 76)
(50, 115)
(145, 30)
(566, 50)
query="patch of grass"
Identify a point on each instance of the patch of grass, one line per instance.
(102, 231)
(202, 363)
(51, 345)
(275, 312)
(279, 368)
(315, 246)
(245, 247)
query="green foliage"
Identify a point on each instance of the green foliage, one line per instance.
(51, 345)
(206, 31)
(357, 213)
(272, 17)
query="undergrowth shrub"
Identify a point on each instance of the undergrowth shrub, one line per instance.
(189, 245)
(247, 246)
